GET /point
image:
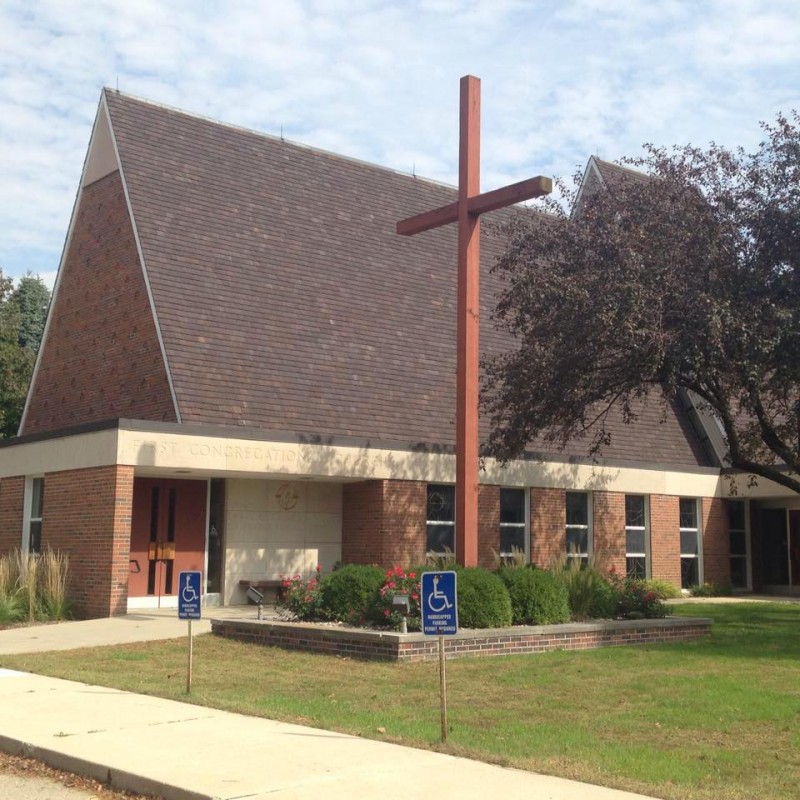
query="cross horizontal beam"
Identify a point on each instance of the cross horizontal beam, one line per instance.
(479, 204)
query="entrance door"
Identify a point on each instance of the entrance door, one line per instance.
(774, 549)
(794, 548)
(168, 534)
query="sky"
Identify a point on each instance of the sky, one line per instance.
(378, 80)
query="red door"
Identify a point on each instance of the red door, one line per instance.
(168, 534)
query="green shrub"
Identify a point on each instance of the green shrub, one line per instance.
(605, 597)
(664, 589)
(351, 593)
(589, 593)
(483, 600)
(537, 597)
(299, 597)
(399, 582)
(12, 608)
(637, 601)
(711, 589)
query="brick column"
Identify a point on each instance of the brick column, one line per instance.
(548, 521)
(383, 523)
(609, 530)
(665, 540)
(87, 514)
(12, 493)
(488, 525)
(716, 541)
(405, 511)
(362, 522)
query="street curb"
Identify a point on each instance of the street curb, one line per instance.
(108, 776)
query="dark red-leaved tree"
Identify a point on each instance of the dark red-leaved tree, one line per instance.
(687, 279)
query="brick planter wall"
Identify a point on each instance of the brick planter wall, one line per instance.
(390, 646)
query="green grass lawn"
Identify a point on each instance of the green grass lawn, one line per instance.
(713, 719)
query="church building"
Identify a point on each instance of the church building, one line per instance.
(246, 371)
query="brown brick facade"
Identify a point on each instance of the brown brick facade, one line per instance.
(87, 514)
(488, 525)
(665, 545)
(383, 522)
(101, 358)
(12, 493)
(608, 525)
(548, 518)
(716, 541)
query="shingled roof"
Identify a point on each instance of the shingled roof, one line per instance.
(286, 301)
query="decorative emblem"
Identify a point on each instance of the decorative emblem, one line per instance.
(287, 497)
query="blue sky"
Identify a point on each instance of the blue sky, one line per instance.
(378, 80)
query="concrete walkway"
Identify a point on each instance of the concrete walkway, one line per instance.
(179, 751)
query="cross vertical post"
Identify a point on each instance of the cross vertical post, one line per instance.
(466, 212)
(468, 314)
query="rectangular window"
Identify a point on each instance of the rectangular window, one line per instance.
(579, 530)
(512, 522)
(690, 543)
(32, 535)
(737, 531)
(637, 539)
(441, 519)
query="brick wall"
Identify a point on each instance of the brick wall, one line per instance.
(665, 545)
(101, 358)
(716, 541)
(87, 514)
(404, 514)
(362, 522)
(608, 526)
(12, 491)
(390, 646)
(548, 520)
(488, 525)
(383, 522)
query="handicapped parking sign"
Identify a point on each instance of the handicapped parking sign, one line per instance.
(189, 595)
(439, 607)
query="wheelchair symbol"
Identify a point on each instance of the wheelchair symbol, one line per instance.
(438, 600)
(188, 594)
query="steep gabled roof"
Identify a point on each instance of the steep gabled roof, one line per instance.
(285, 300)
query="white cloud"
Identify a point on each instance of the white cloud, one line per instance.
(378, 80)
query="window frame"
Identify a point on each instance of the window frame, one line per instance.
(588, 527)
(746, 555)
(428, 522)
(646, 532)
(28, 517)
(699, 533)
(525, 524)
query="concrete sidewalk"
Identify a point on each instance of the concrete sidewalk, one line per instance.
(139, 626)
(183, 752)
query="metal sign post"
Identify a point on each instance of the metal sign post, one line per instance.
(439, 609)
(189, 606)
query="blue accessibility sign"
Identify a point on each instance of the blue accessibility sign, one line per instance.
(438, 603)
(189, 595)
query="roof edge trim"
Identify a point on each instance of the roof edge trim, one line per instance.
(137, 239)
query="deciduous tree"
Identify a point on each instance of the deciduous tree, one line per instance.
(687, 279)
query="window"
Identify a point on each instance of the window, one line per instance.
(512, 522)
(737, 531)
(34, 507)
(637, 540)
(579, 532)
(690, 543)
(441, 522)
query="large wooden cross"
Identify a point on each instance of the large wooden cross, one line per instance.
(467, 211)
